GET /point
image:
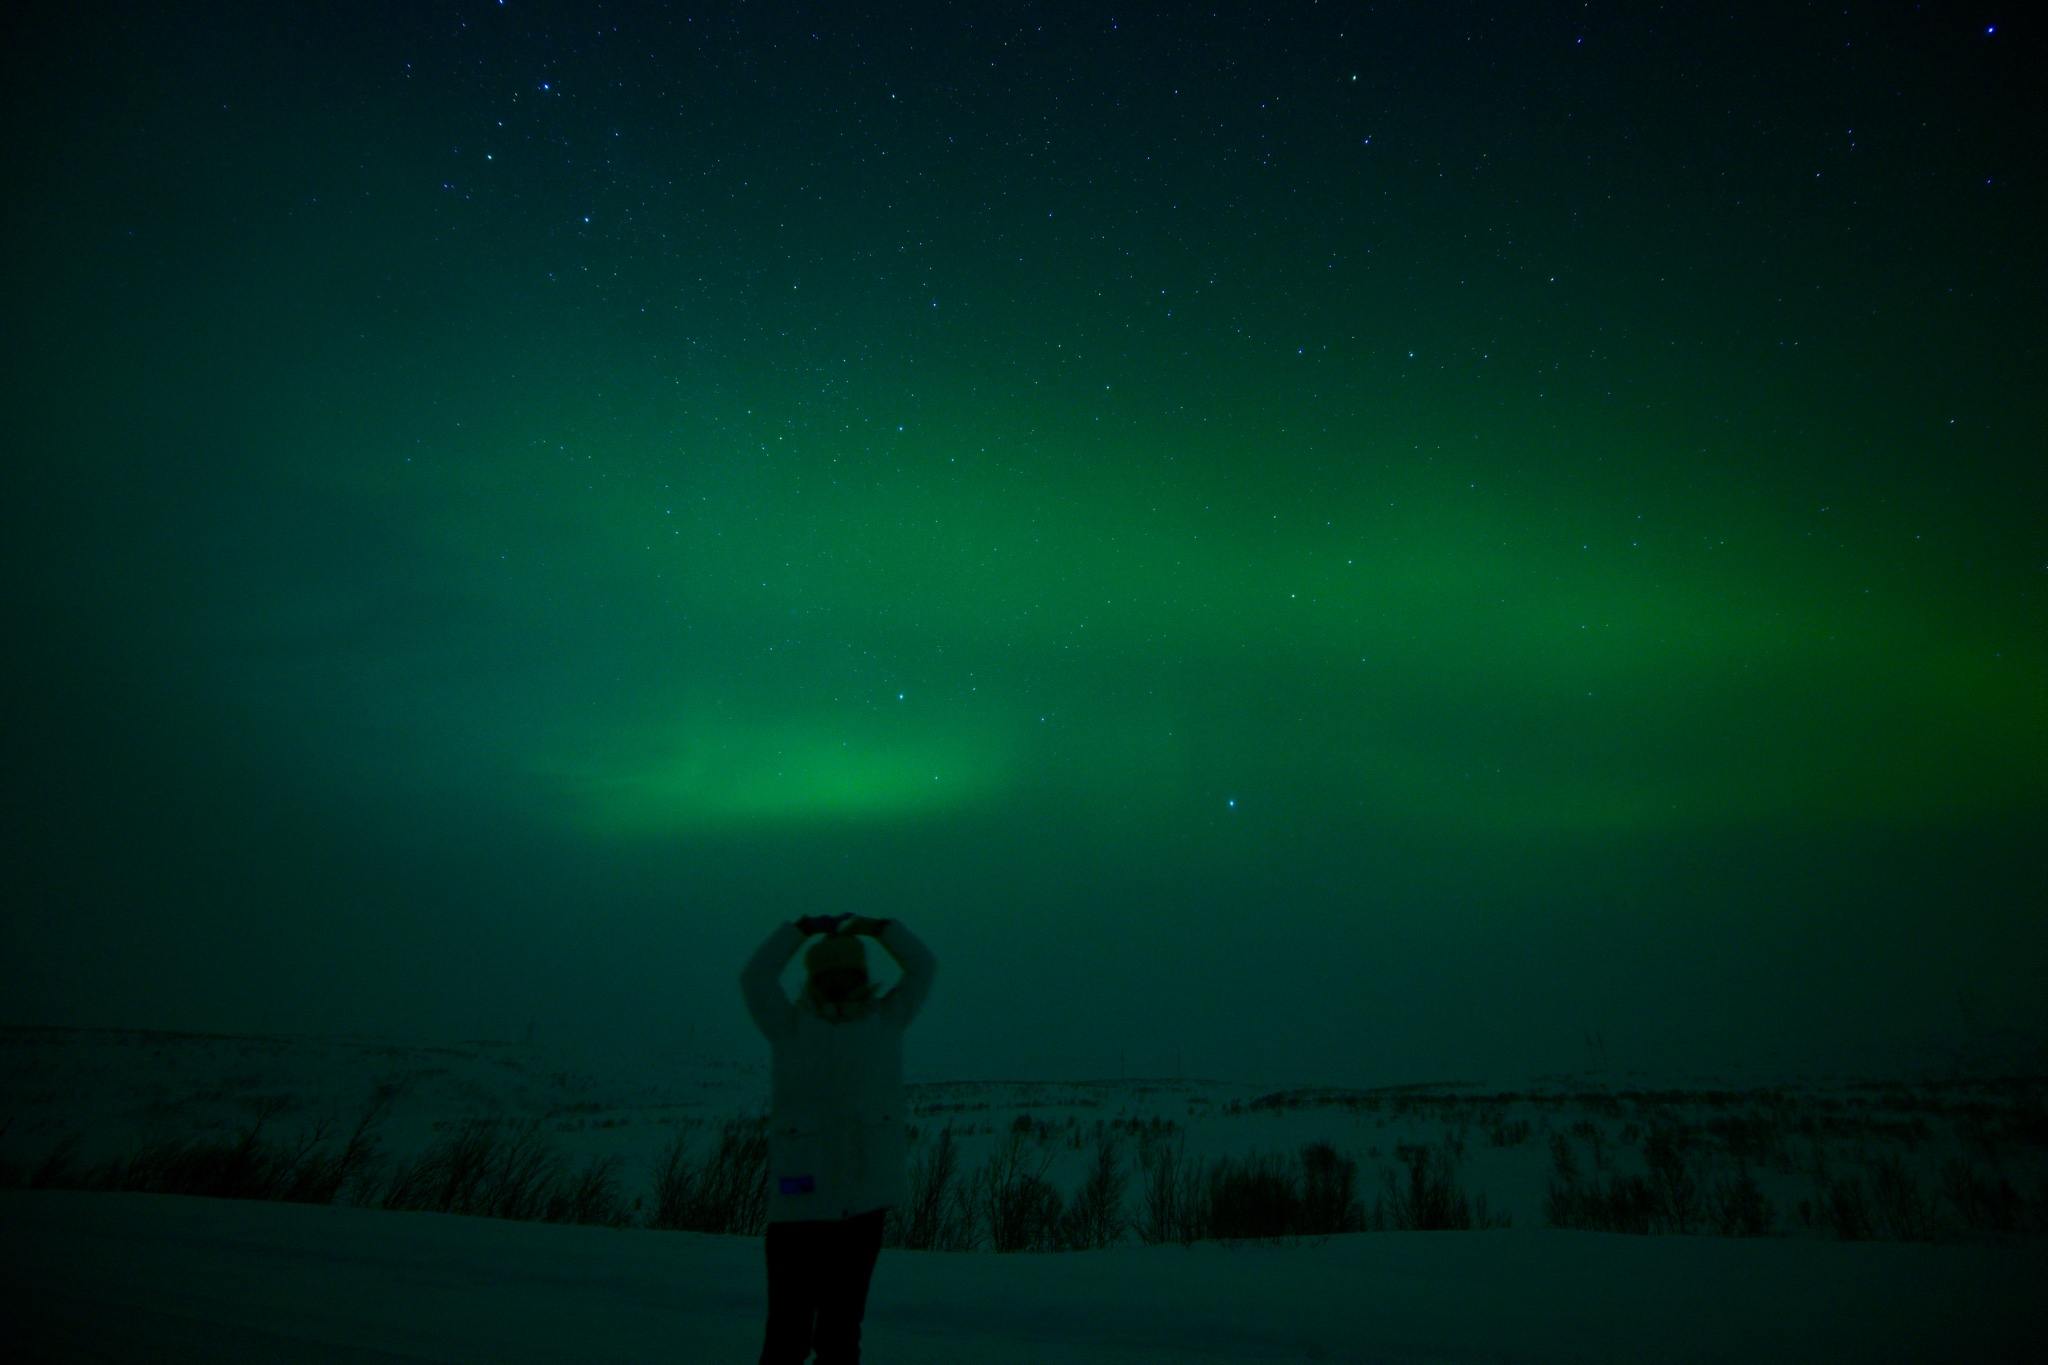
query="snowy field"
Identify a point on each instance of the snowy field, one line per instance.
(1899, 1218)
(125, 1277)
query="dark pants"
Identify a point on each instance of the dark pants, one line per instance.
(818, 1276)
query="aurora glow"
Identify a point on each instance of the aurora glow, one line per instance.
(1351, 476)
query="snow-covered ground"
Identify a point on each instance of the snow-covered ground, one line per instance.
(158, 1278)
(123, 1276)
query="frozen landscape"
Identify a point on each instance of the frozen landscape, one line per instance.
(1170, 1219)
(1435, 615)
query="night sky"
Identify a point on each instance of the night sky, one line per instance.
(1316, 543)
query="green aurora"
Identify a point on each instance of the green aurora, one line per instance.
(852, 629)
(459, 459)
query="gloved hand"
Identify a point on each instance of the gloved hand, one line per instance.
(822, 924)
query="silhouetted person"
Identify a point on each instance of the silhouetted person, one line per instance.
(835, 1139)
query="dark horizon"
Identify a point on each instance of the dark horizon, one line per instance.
(1341, 547)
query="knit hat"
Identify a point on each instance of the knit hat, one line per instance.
(836, 952)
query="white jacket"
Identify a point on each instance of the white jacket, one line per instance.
(835, 1137)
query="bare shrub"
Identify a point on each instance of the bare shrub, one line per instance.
(1013, 1201)
(1329, 1191)
(1564, 1162)
(1838, 1206)
(1252, 1197)
(1502, 1131)
(1669, 1197)
(936, 1217)
(479, 1170)
(1428, 1199)
(1902, 1212)
(59, 1168)
(1095, 1215)
(1626, 1204)
(1622, 1203)
(1983, 1201)
(1754, 1138)
(590, 1196)
(1737, 1207)
(351, 1172)
(1173, 1206)
(310, 1168)
(1675, 1192)
(725, 1192)
(237, 1169)
(1595, 1138)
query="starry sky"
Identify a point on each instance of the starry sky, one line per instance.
(1308, 543)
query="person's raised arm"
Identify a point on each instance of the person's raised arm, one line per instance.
(907, 997)
(773, 1013)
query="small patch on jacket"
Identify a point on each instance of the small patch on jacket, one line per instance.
(796, 1184)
